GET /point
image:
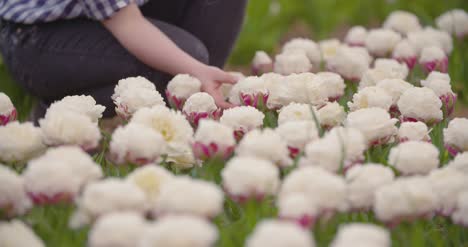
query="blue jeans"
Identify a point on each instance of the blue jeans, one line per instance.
(79, 56)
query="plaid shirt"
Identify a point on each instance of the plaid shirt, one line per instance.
(33, 11)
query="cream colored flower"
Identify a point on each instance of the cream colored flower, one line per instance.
(460, 214)
(17, 234)
(20, 142)
(420, 104)
(454, 21)
(375, 123)
(392, 67)
(333, 83)
(326, 190)
(413, 131)
(448, 184)
(339, 148)
(6, 106)
(61, 127)
(360, 234)
(414, 157)
(405, 198)
(307, 46)
(107, 196)
(266, 144)
(136, 143)
(381, 42)
(81, 104)
(172, 125)
(370, 97)
(199, 102)
(251, 85)
(290, 62)
(394, 87)
(363, 181)
(132, 82)
(297, 207)
(150, 179)
(249, 177)
(183, 86)
(460, 163)
(298, 133)
(295, 112)
(430, 37)
(356, 36)
(402, 22)
(350, 62)
(242, 118)
(184, 195)
(329, 48)
(456, 134)
(59, 175)
(123, 229)
(180, 231)
(13, 197)
(405, 52)
(135, 98)
(213, 139)
(331, 115)
(274, 233)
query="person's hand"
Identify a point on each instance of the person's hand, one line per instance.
(211, 79)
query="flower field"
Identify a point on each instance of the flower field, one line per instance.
(336, 143)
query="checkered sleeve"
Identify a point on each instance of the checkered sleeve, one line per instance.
(104, 9)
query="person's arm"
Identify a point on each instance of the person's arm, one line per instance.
(154, 48)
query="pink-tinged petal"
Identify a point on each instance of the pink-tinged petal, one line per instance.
(409, 61)
(239, 134)
(203, 152)
(438, 65)
(174, 101)
(449, 100)
(293, 152)
(452, 150)
(43, 199)
(394, 111)
(10, 117)
(258, 100)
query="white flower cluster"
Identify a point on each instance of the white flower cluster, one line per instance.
(266, 144)
(360, 234)
(72, 121)
(249, 177)
(414, 157)
(350, 62)
(420, 104)
(290, 62)
(363, 181)
(402, 22)
(306, 46)
(124, 229)
(13, 197)
(179, 231)
(136, 143)
(375, 123)
(276, 233)
(242, 118)
(454, 21)
(82, 104)
(413, 131)
(67, 169)
(107, 196)
(184, 195)
(182, 86)
(339, 148)
(455, 135)
(18, 234)
(356, 36)
(380, 42)
(7, 109)
(20, 142)
(405, 198)
(134, 93)
(327, 191)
